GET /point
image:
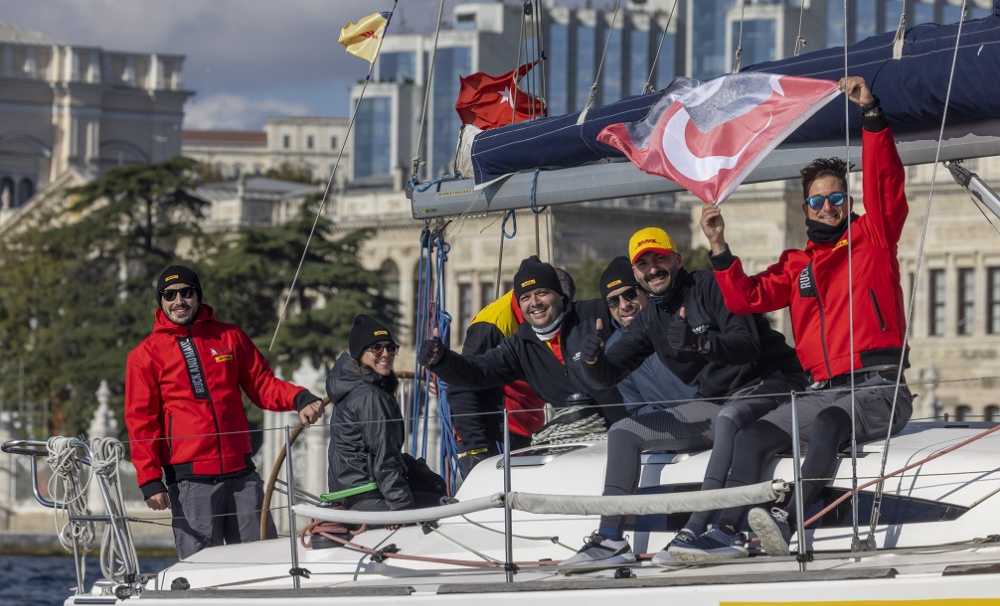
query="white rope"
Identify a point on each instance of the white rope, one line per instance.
(659, 45)
(332, 180)
(587, 428)
(876, 505)
(65, 489)
(117, 556)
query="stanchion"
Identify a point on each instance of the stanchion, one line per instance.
(802, 553)
(508, 534)
(290, 476)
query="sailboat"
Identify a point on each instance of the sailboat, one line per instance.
(935, 539)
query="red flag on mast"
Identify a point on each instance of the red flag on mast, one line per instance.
(487, 101)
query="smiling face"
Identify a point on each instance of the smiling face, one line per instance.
(184, 307)
(655, 271)
(828, 213)
(380, 357)
(625, 303)
(541, 306)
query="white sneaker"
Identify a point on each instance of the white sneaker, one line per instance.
(599, 552)
(772, 528)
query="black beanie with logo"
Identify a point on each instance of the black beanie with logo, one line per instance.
(178, 274)
(617, 274)
(365, 332)
(532, 274)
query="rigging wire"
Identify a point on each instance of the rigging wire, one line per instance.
(855, 537)
(542, 66)
(800, 42)
(648, 88)
(428, 83)
(600, 66)
(331, 181)
(876, 505)
(738, 55)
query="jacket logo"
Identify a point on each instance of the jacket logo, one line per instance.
(646, 241)
(700, 329)
(807, 285)
(224, 357)
(528, 282)
(840, 244)
(380, 333)
(612, 284)
(171, 277)
(193, 364)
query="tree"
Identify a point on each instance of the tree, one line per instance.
(250, 272)
(77, 293)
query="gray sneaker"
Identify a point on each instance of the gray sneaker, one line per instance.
(668, 555)
(599, 552)
(716, 544)
(772, 528)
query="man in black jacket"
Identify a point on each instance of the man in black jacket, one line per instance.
(541, 349)
(738, 360)
(366, 429)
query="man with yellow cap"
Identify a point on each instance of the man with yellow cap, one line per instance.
(736, 359)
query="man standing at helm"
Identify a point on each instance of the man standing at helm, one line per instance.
(813, 284)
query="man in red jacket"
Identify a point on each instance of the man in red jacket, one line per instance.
(188, 433)
(814, 284)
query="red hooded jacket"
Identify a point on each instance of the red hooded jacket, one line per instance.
(813, 283)
(183, 407)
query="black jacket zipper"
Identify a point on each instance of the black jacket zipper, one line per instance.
(170, 434)
(822, 334)
(211, 403)
(878, 310)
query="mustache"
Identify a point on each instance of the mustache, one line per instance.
(532, 308)
(661, 273)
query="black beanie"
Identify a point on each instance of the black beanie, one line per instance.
(616, 275)
(532, 274)
(365, 332)
(178, 274)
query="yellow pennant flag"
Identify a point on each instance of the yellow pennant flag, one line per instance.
(361, 39)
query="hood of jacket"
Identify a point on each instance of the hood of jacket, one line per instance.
(347, 375)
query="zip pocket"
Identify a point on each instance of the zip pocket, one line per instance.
(878, 310)
(170, 433)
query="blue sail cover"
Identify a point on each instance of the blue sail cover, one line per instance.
(912, 91)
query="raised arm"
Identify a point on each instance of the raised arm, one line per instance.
(496, 367)
(605, 368)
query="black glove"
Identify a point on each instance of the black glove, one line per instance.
(431, 352)
(591, 348)
(680, 337)
(304, 398)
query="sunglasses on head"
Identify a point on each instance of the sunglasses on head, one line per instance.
(836, 198)
(379, 348)
(186, 293)
(629, 295)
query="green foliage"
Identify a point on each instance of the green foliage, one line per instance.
(77, 292)
(587, 276)
(247, 276)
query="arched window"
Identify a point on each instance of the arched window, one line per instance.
(962, 411)
(25, 189)
(6, 193)
(991, 413)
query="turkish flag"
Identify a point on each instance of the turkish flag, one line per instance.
(487, 101)
(707, 137)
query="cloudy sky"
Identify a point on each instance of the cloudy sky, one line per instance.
(246, 59)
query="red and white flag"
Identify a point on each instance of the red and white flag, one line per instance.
(487, 101)
(707, 137)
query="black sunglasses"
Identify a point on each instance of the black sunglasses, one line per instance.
(379, 348)
(629, 295)
(186, 293)
(836, 198)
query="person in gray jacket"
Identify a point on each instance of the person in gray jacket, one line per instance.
(366, 429)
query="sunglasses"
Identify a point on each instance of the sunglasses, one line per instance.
(379, 348)
(629, 295)
(186, 293)
(836, 198)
